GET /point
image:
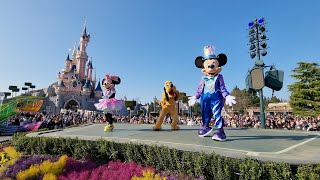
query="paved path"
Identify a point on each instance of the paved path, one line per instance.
(295, 147)
(5, 138)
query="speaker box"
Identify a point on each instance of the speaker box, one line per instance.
(257, 79)
(274, 79)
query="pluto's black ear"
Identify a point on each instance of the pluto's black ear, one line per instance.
(222, 59)
(199, 62)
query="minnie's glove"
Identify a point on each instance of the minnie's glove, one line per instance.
(230, 100)
(192, 100)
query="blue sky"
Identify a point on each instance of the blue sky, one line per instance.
(147, 42)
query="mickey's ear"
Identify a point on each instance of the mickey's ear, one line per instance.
(199, 62)
(222, 59)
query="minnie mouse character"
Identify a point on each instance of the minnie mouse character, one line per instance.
(108, 104)
(212, 91)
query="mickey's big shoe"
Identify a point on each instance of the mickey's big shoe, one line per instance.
(220, 135)
(205, 131)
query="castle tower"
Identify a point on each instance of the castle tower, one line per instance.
(68, 62)
(87, 88)
(89, 70)
(98, 90)
(94, 81)
(74, 53)
(82, 56)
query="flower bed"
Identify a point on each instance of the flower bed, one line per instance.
(195, 164)
(16, 166)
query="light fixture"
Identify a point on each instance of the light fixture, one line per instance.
(252, 55)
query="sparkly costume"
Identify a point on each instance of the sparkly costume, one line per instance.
(212, 91)
(108, 103)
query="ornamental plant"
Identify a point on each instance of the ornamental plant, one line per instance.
(47, 168)
(24, 163)
(114, 170)
(149, 175)
(8, 157)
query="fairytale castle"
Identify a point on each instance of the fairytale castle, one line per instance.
(76, 88)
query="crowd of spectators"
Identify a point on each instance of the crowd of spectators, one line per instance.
(49, 121)
(278, 121)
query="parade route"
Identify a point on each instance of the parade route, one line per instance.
(294, 147)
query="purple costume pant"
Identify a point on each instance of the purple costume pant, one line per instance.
(211, 105)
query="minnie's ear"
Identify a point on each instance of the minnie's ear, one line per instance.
(116, 81)
(199, 62)
(103, 81)
(222, 59)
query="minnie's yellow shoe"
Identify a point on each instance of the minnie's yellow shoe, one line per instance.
(108, 127)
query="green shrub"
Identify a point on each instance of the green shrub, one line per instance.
(211, 166)
(306, 172)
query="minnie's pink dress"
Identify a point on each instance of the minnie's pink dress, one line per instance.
(109, 105)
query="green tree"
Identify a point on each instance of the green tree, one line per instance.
(196, 109)
(274, 99)
(254, 100)
(242, 98)
(305, 93)
(268, 100)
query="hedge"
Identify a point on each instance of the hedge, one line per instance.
(210, 166)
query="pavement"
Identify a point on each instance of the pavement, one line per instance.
(290, 146)
(5, 138)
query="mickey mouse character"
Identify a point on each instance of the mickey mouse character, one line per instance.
(212, 91)
(108, 104)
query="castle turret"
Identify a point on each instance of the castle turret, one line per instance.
(59, 75)
(89, 70)
(98, 90)
(87, 88)
(60, 87)
(82, 56)
(68, 61)
(74, 53)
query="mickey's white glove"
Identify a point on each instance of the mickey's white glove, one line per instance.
(192, 100)
(230, 100)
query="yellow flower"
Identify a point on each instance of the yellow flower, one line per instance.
(148, 175)
(49, 169)
(8, 157)
(12, 152)
(33, 171)
(3, 158)
(49, 177)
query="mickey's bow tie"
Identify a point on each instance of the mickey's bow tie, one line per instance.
(208, 78)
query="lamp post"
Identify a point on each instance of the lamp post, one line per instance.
(25, 90)
(28, 84)
(2, 95)
(12, 89)
(257, 39)
(128, 108)
(154, 104)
